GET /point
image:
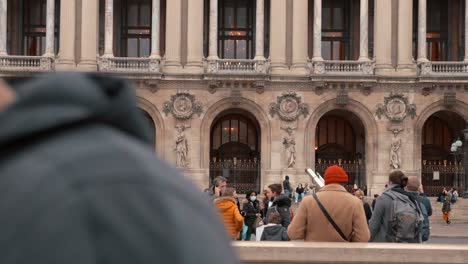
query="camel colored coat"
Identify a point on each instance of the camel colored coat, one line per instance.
(310, 224)
(231, 216)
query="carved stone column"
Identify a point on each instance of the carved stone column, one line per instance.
(89, 35)
(364, 31)
(300, 32)
(195, 37)
(213, 35)
(155, 32)
(466, 32)
(317, 54)
(422, 19)
(383, 38)
(109, 29)
(173, 36)
(66, 57)
(3, 27)
(259, 31)
(50, 29)
(405, 64)
(278, 36)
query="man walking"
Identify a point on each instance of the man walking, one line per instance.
(413, 188)
(287, 187)
(331, 215)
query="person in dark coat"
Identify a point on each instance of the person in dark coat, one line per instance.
(274, 231)
(280, 204)
(367, 208)
(81, 184)
(251, 209)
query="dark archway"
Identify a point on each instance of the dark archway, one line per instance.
(440, 167)
(150, 126)
(235, 149)
(340, 140)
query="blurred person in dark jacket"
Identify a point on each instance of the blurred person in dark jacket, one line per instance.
(80, 182)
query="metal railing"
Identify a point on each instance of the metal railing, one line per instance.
(356, 170)
(243, 175)
(26, 63)
(439, 174)
(124, 64)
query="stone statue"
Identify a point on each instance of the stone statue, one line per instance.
(181, 146)
(290, 148)
(395, 153)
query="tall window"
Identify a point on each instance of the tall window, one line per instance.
(444, 37)
(34, 27)
(236, 29)
(136, 28)
(335, 31)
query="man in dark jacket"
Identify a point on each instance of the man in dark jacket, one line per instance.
(413, 188)
(281, 204)
(80, 183)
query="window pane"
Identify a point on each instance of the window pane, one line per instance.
(326, 18)
(242, 17)
(225, 137)
(144, 47)
(336, 50)
(337, 18)
(229, 17)
(217, 137)
(326, 50)
(241, 49)
(145, 11)
(234, 130)
(243, 132)
(132, 15)
(132, 47)
(252, 139)
(229, 49)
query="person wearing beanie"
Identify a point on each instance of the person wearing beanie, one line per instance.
(345, 210)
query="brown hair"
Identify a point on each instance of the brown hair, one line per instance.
(274, 218)
(276, 188)
(229, 192)
(398, 177)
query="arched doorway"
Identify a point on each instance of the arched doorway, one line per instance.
(150, 126)
(340, 140)
(440, 167)
(235, 149)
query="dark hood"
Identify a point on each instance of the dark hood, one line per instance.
(282, 200)
(58, 100)
(272, 230)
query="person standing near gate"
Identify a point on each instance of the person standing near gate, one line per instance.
(287, 187)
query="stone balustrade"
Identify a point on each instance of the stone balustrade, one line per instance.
(26, 63)
(229, 66)
(128, 65)
(441, 68)
(301, 252)
(344, 67)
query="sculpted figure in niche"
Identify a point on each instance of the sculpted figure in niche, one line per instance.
(290, 149)
(181, 147)
(395, 153)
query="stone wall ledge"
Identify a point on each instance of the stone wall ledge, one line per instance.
(314, 252)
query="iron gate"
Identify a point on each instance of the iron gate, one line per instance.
(243, 175)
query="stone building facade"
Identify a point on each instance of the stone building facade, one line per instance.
(258, 89)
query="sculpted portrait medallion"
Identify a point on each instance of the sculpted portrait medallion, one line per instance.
(182, 106)
(396, 107)
(289, 106)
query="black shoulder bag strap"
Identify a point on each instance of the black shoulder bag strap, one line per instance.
(324, 211)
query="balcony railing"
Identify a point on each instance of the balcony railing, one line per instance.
(26, 63)
(225, 66)
(343, 67)
(133, 65)
(443, 68)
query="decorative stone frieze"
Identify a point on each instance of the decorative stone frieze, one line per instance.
(342, 98)
(151, 85)
(289, 106)
(213, 85)
(366, 88)
(259, 86)
(396, 108)
(450, 99)
(427, 89)
(236, 96)
(182, 106)
(318, 67)
(320, 88)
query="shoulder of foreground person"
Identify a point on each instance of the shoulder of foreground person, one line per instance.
(104, 200)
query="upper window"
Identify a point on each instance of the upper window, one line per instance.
(442, 44)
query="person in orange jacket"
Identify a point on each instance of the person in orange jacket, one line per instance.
(227, 208)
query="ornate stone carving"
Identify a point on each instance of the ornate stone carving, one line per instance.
(395, 153)
(213, 85)
(342, 98)
(154, 65)
(259, 86)
(151, 85)
(427, 90)
(366, 88)
(396, 108)
(261, 66)
(425, 68)
(320, 88)
(368, 67)
(289, 144)
(288, 107)
(212, 66)
(450, 99)
(103, 64)
(181, 146)
(319, 67)
(46, 63)
(236, 97)
(183, 106)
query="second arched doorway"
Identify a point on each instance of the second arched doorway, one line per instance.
(235, 149)
(340, 139)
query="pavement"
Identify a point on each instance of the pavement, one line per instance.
(452, 230)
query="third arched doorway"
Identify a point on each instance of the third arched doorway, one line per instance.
(340, 139)
(235, 149)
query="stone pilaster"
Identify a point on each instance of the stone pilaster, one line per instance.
(364, 31)
(155, 32)
(278, 36)
(50, 29)
(466, 32)
(89, 35)
(259, 31)
(213, 35)
(3, 27)
(422, 53)
(383, 38)
(195, 37)
(317, 53)
(66, 57)
(173, 36)
(300, 33)
(405, 63)
(109, 29)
